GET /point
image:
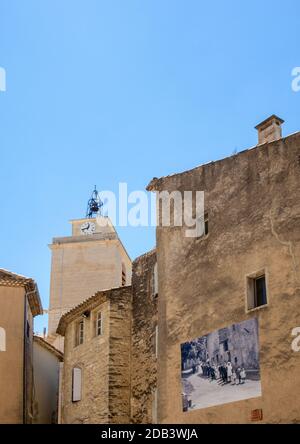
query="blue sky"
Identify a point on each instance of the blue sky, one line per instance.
(102, 92)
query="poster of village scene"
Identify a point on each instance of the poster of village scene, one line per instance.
(221, 367)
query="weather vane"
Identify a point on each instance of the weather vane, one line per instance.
(95, 205)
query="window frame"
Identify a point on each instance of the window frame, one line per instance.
(256, 296)
(79, 333)
(96, 323)
(251, 297)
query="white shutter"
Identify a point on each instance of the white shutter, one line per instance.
(2, 340)
(77, 382)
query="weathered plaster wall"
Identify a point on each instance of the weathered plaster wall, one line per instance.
(11, 361)
(29, 388)
(254, 217)
(46, 383)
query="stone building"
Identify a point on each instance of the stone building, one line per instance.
(92, 259)
(110, 352)
(20, 303)
(144, 339)
(96, 375)
(47, 363)
(245, 266)
(237, 344)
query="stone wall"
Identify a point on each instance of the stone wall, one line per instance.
(144, 322)
(253, 206)
(46, 366)
(119, 356)
(104, 360)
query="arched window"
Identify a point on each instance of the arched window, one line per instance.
(2, 340)
(76, 384)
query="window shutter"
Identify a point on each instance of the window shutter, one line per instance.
(77, 382)
(2, 340)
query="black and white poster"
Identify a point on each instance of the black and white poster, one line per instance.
(221, 367)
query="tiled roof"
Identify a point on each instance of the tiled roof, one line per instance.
(87, 304)
(9, 279)
(49, 347)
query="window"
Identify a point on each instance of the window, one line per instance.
(205, 224)
(76, 384)
(98, 324)
(123, 275)
(260, 291)
(225, 345)
(79, 333)
(256, 291)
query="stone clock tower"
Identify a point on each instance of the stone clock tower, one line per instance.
(92, 259)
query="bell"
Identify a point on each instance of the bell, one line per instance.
(94, 207)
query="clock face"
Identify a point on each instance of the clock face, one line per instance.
(88, 228)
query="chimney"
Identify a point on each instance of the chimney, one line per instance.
(269, 130)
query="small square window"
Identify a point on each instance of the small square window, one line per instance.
(256, 291)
